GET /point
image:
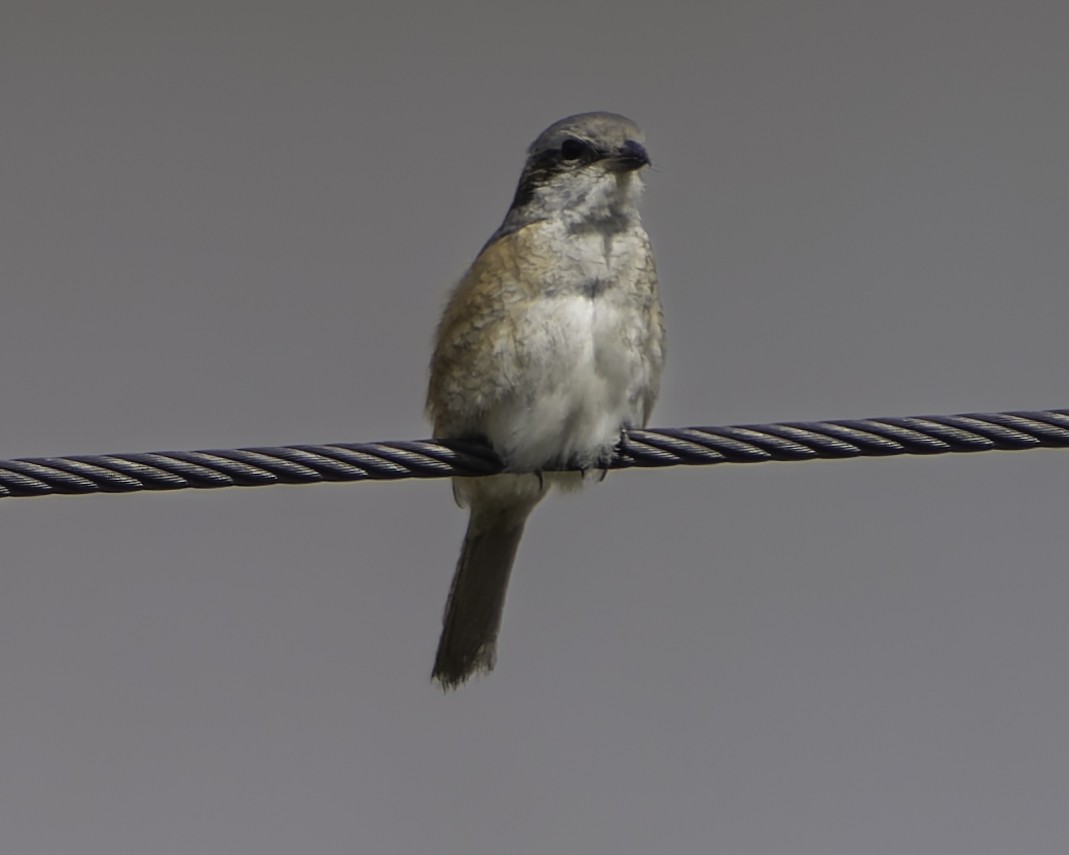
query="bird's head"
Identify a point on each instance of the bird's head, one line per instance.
(584, 169)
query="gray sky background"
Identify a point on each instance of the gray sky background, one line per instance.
(235, 223)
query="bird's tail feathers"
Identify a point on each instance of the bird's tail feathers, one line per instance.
(477, 596)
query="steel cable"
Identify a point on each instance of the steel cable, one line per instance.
(380, 461)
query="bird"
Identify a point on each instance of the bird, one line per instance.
(549, 347)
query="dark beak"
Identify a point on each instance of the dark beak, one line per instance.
(629, 157)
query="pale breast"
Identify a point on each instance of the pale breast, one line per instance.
(589, 354)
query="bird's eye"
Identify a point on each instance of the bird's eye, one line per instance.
(572, 149)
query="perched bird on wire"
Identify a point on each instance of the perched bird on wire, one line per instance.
(550, 346)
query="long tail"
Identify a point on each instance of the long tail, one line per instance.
(477, 596)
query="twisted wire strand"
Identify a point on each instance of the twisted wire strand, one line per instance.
(382, 461)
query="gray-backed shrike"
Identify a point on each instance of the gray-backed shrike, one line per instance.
(550, 346)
